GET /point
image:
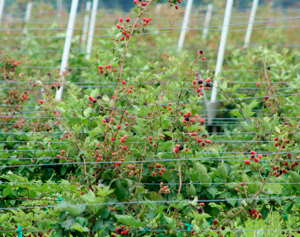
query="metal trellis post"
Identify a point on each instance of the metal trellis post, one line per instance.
(212, 104)
(86, 22)
(1, 9)
(27, 16)
(207, 20)
(59, 7)
(68, 41)
(184, 24)
(250, 24)
(92, 29)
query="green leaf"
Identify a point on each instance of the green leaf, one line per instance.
(236, 113)
(171, 222)
(212, 191)
(223, 170)
(294, 175)
(87, 112)
(7, 191)
(197, 216)
(223, 86)
(105, 213)
(95, 93)
(105, 98)
(73, 210)
(129, 220)
(77, 226)
(264, 211)
(191, 190)
(288, 206)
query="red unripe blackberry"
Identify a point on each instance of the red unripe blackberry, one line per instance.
(247, 162)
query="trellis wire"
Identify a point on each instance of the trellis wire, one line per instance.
(145, 202)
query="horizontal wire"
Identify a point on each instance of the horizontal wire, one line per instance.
(13, 183)
(245, 183)
(140, 106)
(136, 161)
(164, 183)
(152, 33)
(146, 202)
(150, 230)
(155, 22)
(215, 157)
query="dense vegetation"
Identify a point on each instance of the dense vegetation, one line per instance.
(129, 149)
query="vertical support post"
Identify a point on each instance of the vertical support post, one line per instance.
(158, 8)
(184, 24)
(1, 9)
(68, 41)
(59, 8)
(250, 24)
(213, 104)
(8, 18)
(27, 16)
(92, 29)
(222, 47)
(207, 20)
(86, 22)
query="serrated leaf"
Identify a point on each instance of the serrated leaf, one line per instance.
(87, 112)
(236, 113)
(191, 190)
(95, 93)
(294, 175)
(212, 191)
(7, 191)
(197, 216)
(80, 228)
(129, 220)
(171, 222)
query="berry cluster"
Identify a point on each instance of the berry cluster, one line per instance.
(171, 3)
(164, 189)
(108, 67)
(201, 83)
(256, 159)
(122, 231)
(158, 168)
(242, 187)
(255, 214)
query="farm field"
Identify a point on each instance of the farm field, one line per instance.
(132, 123)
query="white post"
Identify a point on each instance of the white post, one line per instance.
(92, 29)
(8, 18)
(1, 9)
(27, 16)
(65, 57)
(158, 7)
(207, 20)
(59, 8)
(222, 47)
(250, 24)
(184, 24)
(86, 22)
